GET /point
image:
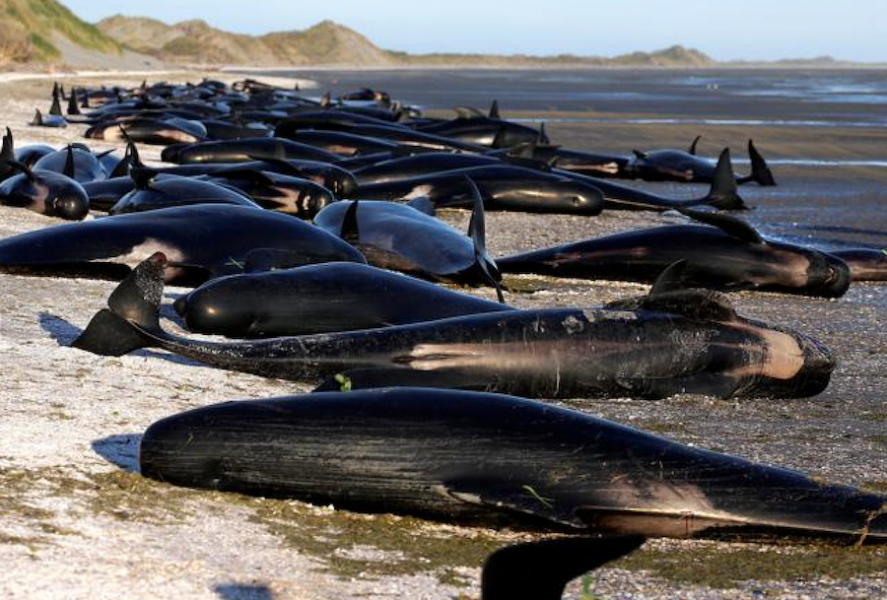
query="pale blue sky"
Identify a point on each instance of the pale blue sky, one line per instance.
(741, 29)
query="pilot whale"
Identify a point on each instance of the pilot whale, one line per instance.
(670, 342)
(495, 460)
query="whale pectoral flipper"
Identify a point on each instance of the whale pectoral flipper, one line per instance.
(541, 569)
(515, 497)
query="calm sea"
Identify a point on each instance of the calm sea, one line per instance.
(827, 201)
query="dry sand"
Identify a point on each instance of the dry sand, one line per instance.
(79, 522)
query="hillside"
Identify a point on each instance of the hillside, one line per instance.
(44, 31)
(33, 30)
(195, 42)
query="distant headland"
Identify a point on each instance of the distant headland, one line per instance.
(45, 32)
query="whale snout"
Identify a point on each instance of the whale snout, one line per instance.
(815, 373)
(215, 312)
(72, 207)
(582, 199)
(343, 185)
(835, 276)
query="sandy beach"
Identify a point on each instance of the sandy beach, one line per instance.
(80, 523)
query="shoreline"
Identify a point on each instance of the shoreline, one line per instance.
(541, 67)
(124, 74)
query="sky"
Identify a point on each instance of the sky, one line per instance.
(727, 30)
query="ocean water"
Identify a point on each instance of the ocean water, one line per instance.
(745, 95)
(826, 198)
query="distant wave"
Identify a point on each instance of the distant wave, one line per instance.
(691, 121)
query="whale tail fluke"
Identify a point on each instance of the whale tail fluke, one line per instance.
(724, 193)
(542, 569)
(109, 335)
(760, 172)
(132, 313)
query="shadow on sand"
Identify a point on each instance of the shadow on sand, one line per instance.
(239, 591)
(121, 450)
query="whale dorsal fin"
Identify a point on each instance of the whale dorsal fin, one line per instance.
(499, 139)
(724, 194)
(729, 224)
(477, 233)
(7, 152)
(542, 138)
(692, 149)
(134, 159)
(38, 118)
(494, 110)
(56, 108)
(699, 304)
(671, 279)
(121, 169)
(142, 177)
(69, 163)
(73, 108)
(639, 154)
(760, 172)
(350, 231)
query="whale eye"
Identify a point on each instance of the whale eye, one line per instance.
(577, 201)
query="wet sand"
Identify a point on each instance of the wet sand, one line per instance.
(79, 523)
